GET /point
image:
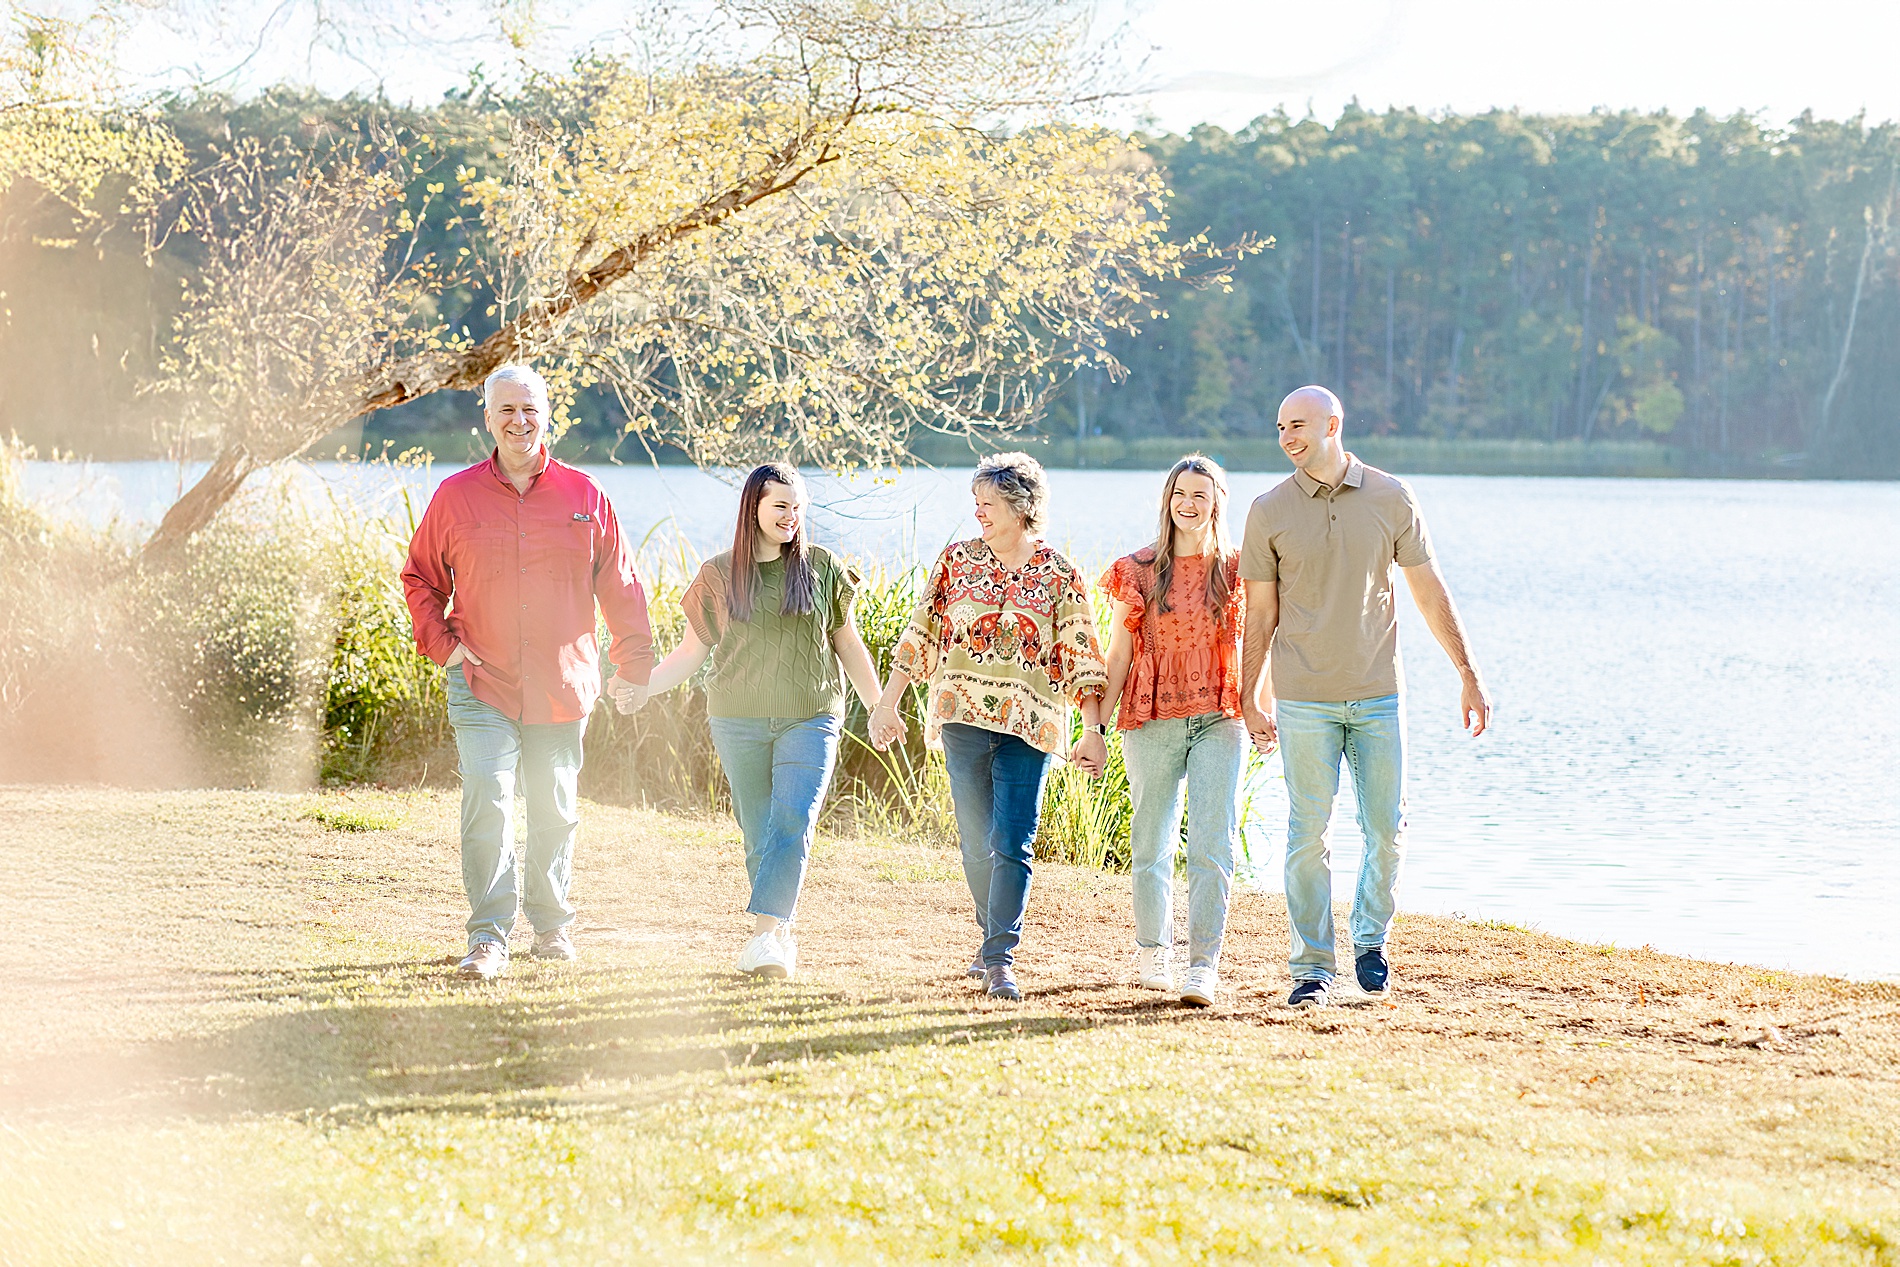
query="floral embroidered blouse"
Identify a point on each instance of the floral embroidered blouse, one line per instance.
(1003, 650)
(1184, 663)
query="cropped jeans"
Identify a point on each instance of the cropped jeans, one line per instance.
(778, 769)
(1370, 734)
(996, 785)
(494, 750)
(1206, 754)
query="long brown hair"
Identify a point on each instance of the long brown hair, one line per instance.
(799, 582)
(1221, 548)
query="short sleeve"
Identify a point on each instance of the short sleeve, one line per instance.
(1258, 562)
(703, 604)
(1412, 544)
(844, 583)
(1122, 585)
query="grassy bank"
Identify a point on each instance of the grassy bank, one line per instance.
(275, 649)
(245, 1043)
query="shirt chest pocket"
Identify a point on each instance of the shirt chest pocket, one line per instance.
(485, 551)
(561, 550)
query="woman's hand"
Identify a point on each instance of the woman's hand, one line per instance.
(1090, 754)
(628, 697)
(887, 726)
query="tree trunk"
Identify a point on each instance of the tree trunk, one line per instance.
(202, 501)
(411, 380)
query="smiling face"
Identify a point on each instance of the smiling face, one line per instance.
(779, 513)
(997, 518)
(517, 417)
(1192, 502)
(1309, 431)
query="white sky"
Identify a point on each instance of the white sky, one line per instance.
(1227, 61)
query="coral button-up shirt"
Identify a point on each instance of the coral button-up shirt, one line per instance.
(514, 577)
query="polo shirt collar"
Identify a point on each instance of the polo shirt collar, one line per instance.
(1355, 476)
(494, 465)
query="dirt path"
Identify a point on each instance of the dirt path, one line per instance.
(218, 958)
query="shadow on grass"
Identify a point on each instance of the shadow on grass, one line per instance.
(377, 1039)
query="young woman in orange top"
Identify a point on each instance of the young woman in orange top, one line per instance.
(1174, 667)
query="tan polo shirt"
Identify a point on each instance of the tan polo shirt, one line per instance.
(1332, 551)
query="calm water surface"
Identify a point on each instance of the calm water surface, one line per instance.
(1698, 688)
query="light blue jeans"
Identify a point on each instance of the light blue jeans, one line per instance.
(778, 769)
(494, 747)
(1207, 754)
(1370, 734)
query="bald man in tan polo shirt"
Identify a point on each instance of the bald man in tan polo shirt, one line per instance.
(1317, 560)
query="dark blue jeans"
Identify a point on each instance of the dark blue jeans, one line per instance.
(996, 785)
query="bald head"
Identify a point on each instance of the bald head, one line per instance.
(1306, 400)
(1310, 419)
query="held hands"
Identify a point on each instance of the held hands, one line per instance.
(628, 696)
(887, 727)
(1090, 754)
(1261, 728)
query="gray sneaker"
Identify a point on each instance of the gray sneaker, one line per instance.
(558, 944)
(975, 971)
(485, 961)
(1000, 983)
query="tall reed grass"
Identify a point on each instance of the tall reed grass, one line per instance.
(278, 646)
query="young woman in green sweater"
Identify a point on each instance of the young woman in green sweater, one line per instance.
(774, 614)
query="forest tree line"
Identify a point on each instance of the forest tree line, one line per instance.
(1712, 284)
(1708, 283)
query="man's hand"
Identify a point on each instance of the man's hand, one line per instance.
(460, 654)
(1261, 729)
(628, 696)
(1090, 754)
(1474, 705)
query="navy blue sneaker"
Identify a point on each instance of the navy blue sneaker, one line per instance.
(1370, 967)
(1308, 994)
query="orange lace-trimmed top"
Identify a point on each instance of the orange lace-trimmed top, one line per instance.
(1184, 662)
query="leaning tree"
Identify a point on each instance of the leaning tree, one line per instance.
(802, 228)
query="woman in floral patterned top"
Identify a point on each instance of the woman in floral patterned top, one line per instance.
(1002, 639)
(1174, 666)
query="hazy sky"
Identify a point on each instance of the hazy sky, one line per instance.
(1227, 61)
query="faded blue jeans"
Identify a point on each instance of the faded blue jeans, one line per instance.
(996, 786)
(1207, 754)
(1370, 734)
(778, 769)
(494, 750)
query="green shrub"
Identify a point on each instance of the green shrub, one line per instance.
(278, 644)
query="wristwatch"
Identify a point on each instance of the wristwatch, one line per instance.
(1100, 728)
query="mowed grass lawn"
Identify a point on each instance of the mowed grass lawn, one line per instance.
(231, 1032)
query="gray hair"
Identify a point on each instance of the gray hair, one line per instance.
(1019, 480)
(522, 375)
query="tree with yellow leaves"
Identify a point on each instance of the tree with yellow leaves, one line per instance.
(802, 229)
(59, 131)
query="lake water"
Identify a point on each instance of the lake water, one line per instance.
(1697, 741)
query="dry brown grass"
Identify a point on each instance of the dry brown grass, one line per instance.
(221, 978)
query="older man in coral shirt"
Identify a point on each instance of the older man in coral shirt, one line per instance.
(502, 580)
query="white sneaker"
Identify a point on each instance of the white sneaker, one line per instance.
(1200, 987)
(764, 956)
(788, 940)
(1151, 966)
